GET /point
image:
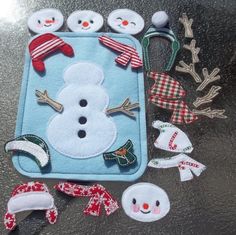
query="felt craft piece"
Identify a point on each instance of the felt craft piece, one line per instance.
(30, 196)
(45, 20)
(85, 21)
(128, 53)
(87, 131)
(117, 85)
(145, 202)
(166, 33)
(125, 108)
(171, 138)
(125, 21)
(186, 165)
(99, 197)
(160, 19)
(45, 45)
(165, 86)
(187, 23)
(45, 99)
(30, 144)
(181, 112)
(123, 155)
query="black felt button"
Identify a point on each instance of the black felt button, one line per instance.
(83, 103)
(82, 120)
(81, 134)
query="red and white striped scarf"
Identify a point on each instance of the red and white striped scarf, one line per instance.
(128, 53)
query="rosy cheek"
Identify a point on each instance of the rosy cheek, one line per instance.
(39, 26)
(156, 210)
(135, 208)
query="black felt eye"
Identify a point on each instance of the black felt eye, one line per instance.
(91, 21)
(133, 23)
(157, 203)
(39, 21)
(134, 201)
(79, 21)
(53, 18)
(119, 18)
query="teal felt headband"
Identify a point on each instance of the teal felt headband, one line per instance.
(161, 32)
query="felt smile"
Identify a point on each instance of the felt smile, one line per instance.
(147, 212)
(121, 26)
(47, 25)
(86, 28)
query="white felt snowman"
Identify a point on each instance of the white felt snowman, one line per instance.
(83, 129)
(45, 20)
(145, 202)
(125, 21)
(85, 21)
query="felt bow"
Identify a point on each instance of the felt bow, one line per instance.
(128, 53)
(123, 155)
(99, 196)
(186, 165)
(181, 112)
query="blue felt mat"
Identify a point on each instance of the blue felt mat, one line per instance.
(119, 83)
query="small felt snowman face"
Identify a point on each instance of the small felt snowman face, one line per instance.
(126, 21)
(45, 20)
(85, 21)
(145, 202)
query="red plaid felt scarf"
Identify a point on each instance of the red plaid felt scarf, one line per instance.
(128, 53)
(181, 112)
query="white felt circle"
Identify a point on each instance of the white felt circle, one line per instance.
(45, 20)
(160, 19)
(125, 21)
(139, 202)
(30, 201)
(85, 21)
(83, 97)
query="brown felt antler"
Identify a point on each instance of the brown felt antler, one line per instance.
(213, 92)
(44, 98)
(187, 23)
(215, 113)
(190, 69)
(194, 50)
(208, 78)
(125, 108)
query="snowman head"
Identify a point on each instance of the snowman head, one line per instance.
(145, 202)
(45, 20)
(126, 21)
(85, 21)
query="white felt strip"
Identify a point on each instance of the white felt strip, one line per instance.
(29, 147)
(30, 201)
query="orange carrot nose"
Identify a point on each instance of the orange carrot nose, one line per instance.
(49, 21)
(145, 206)
(125, 22)
(85, 24)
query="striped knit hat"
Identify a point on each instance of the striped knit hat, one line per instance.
(44, 45)
(30, 196)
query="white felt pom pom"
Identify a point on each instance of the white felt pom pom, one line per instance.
(160, 19)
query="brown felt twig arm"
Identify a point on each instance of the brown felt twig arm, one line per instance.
(44, 98)
(215, 113)
(187, 23)
(194, 50)
(208, 78)
(213, 92)
(125, 108)
(190, 69)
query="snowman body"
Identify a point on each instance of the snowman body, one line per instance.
(83, 129)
